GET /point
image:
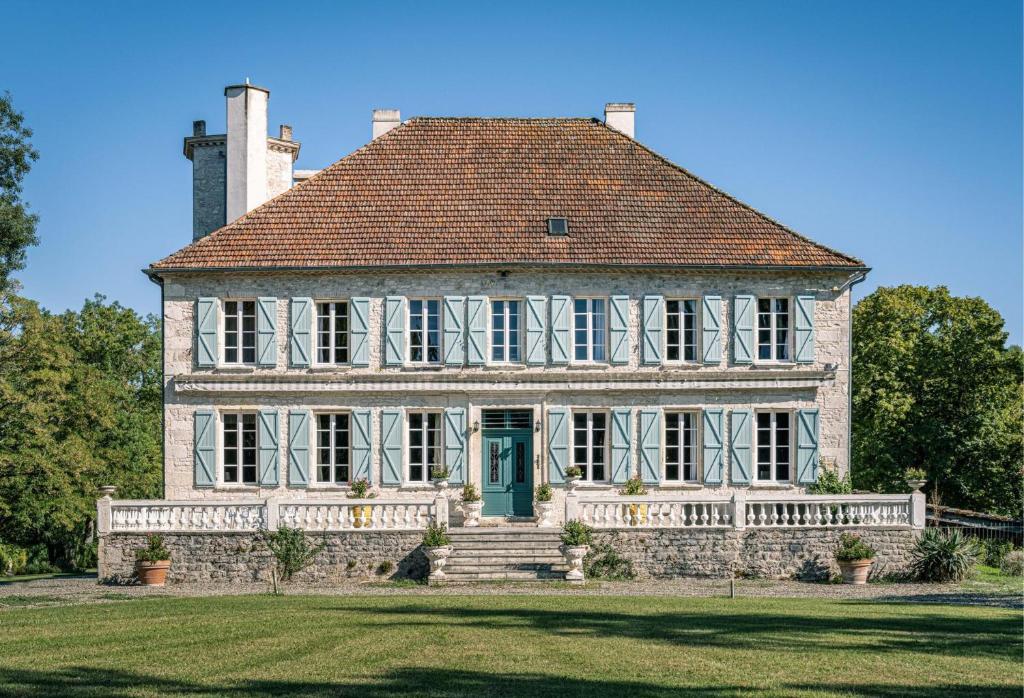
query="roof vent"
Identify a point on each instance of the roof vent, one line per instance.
(558, 226)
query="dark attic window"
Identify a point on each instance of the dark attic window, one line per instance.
(558, 226)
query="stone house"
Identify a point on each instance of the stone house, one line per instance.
(505, 299)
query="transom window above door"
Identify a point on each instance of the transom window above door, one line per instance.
(239, 332)
(332, 337)
(238, 450)
(424, 444)
(773, 329)
(590, 444)
(773, 439)
(333, 449)
(681, 329)
(590, 325)
(425, 331)
(505, 335)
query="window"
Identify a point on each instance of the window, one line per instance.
(425, 331)
(333, 444)
(773, 329)
(332, 332)
(589, 336)
(681, 330)
(681, 446)
(424, 444)
(239, 448)
(505, 331)
(773, 451)
(558, 226)
(240, 332)
(590, 444)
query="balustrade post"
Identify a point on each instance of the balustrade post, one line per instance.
(918, 509)
(103, 511)
(272, 513)
(739, 510)
(441, 509)
(571, 506)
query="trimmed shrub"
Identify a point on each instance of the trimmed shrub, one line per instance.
(851, 547)
(604, 562)
(1013, 563)
(544, 493)
(436, 536)
(291, 549)
(576, 533)
(943, 556)
(154, 550)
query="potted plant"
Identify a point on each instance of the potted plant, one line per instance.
(361, 514)
(438, 547)
(636, 513)
(439, 474)
(854, 558)
(543, 505)
(576, 538)
(572, 477)
(471, 504)
(916, 478)
(152, 563)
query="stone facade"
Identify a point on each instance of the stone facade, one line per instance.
(685, 386)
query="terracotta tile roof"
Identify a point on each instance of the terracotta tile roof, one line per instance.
(471, 191)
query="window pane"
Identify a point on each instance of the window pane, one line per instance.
(598, 329)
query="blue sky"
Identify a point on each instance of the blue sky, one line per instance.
(891, 131)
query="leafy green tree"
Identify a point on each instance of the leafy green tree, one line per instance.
(17, 225)
(936, 387)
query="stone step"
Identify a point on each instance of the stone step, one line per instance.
(499, 530)
(504, 576)
(501, 565)
(485, 557)
(505, 545)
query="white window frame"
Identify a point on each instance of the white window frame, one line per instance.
(505, 331)
(698, 464)
(773, 328)
(222, 331)
(314, 460)
(590, 330)
(590, 443)
(316, 332)
(426, 331)
(755, 460)
(407, 462)
(696, 332)
(222, 447)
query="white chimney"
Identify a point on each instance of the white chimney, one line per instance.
(246, 148)
(384, 120)
(620, 116)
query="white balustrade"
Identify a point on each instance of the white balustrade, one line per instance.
(828, 511)
(654, 511)
(355, 514)
(129, 516)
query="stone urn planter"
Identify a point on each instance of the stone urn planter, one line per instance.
(574, 555)
(572, 482)
(152, 574)
(544, 511)
(916, 485)
(471, 511)
(855, 571)
(441, 483)
(438, 557)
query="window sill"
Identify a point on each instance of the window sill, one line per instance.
(682, 365)
(240, 488)
(771, 486)
(329, 368)
(590, 366)
(419, 368)
(235, 369)
(594, 487)
(413, 487)
(680, 486)
(505, 367)
(776, 364)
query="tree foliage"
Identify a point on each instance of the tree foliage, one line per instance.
(936, 387)
(80, 407)
(17, 225)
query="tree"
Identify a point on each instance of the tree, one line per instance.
(936, 387)
(17, 225)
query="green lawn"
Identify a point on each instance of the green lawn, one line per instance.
(562, 646)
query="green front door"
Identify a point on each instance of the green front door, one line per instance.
(507, 472)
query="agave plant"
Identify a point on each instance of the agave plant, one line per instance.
(943, 555)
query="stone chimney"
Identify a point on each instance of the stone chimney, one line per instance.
(384, 120)
(620, 116)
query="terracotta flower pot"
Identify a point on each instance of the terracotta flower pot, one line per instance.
(855, 571)
(152, 574)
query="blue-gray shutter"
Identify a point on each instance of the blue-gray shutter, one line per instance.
(359, 331)
(654, 322)
(206, 332)
(807, 446)
(267, 440)
(561, 313)
(743, 329)
(455, 444)
(300, 336)
(204, 449)
(362, 438)
(804, 328)
(391, 447)
(266, 332)
(618, 329)
(476, 323)
(711, 329)
(394, 330)
(558, 444)
(712, 438)
(454, 347)
(740, 447)
(650, 446)
(622, 431)
(536, 350)
(298, 448)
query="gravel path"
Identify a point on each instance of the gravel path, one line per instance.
(85, 589)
